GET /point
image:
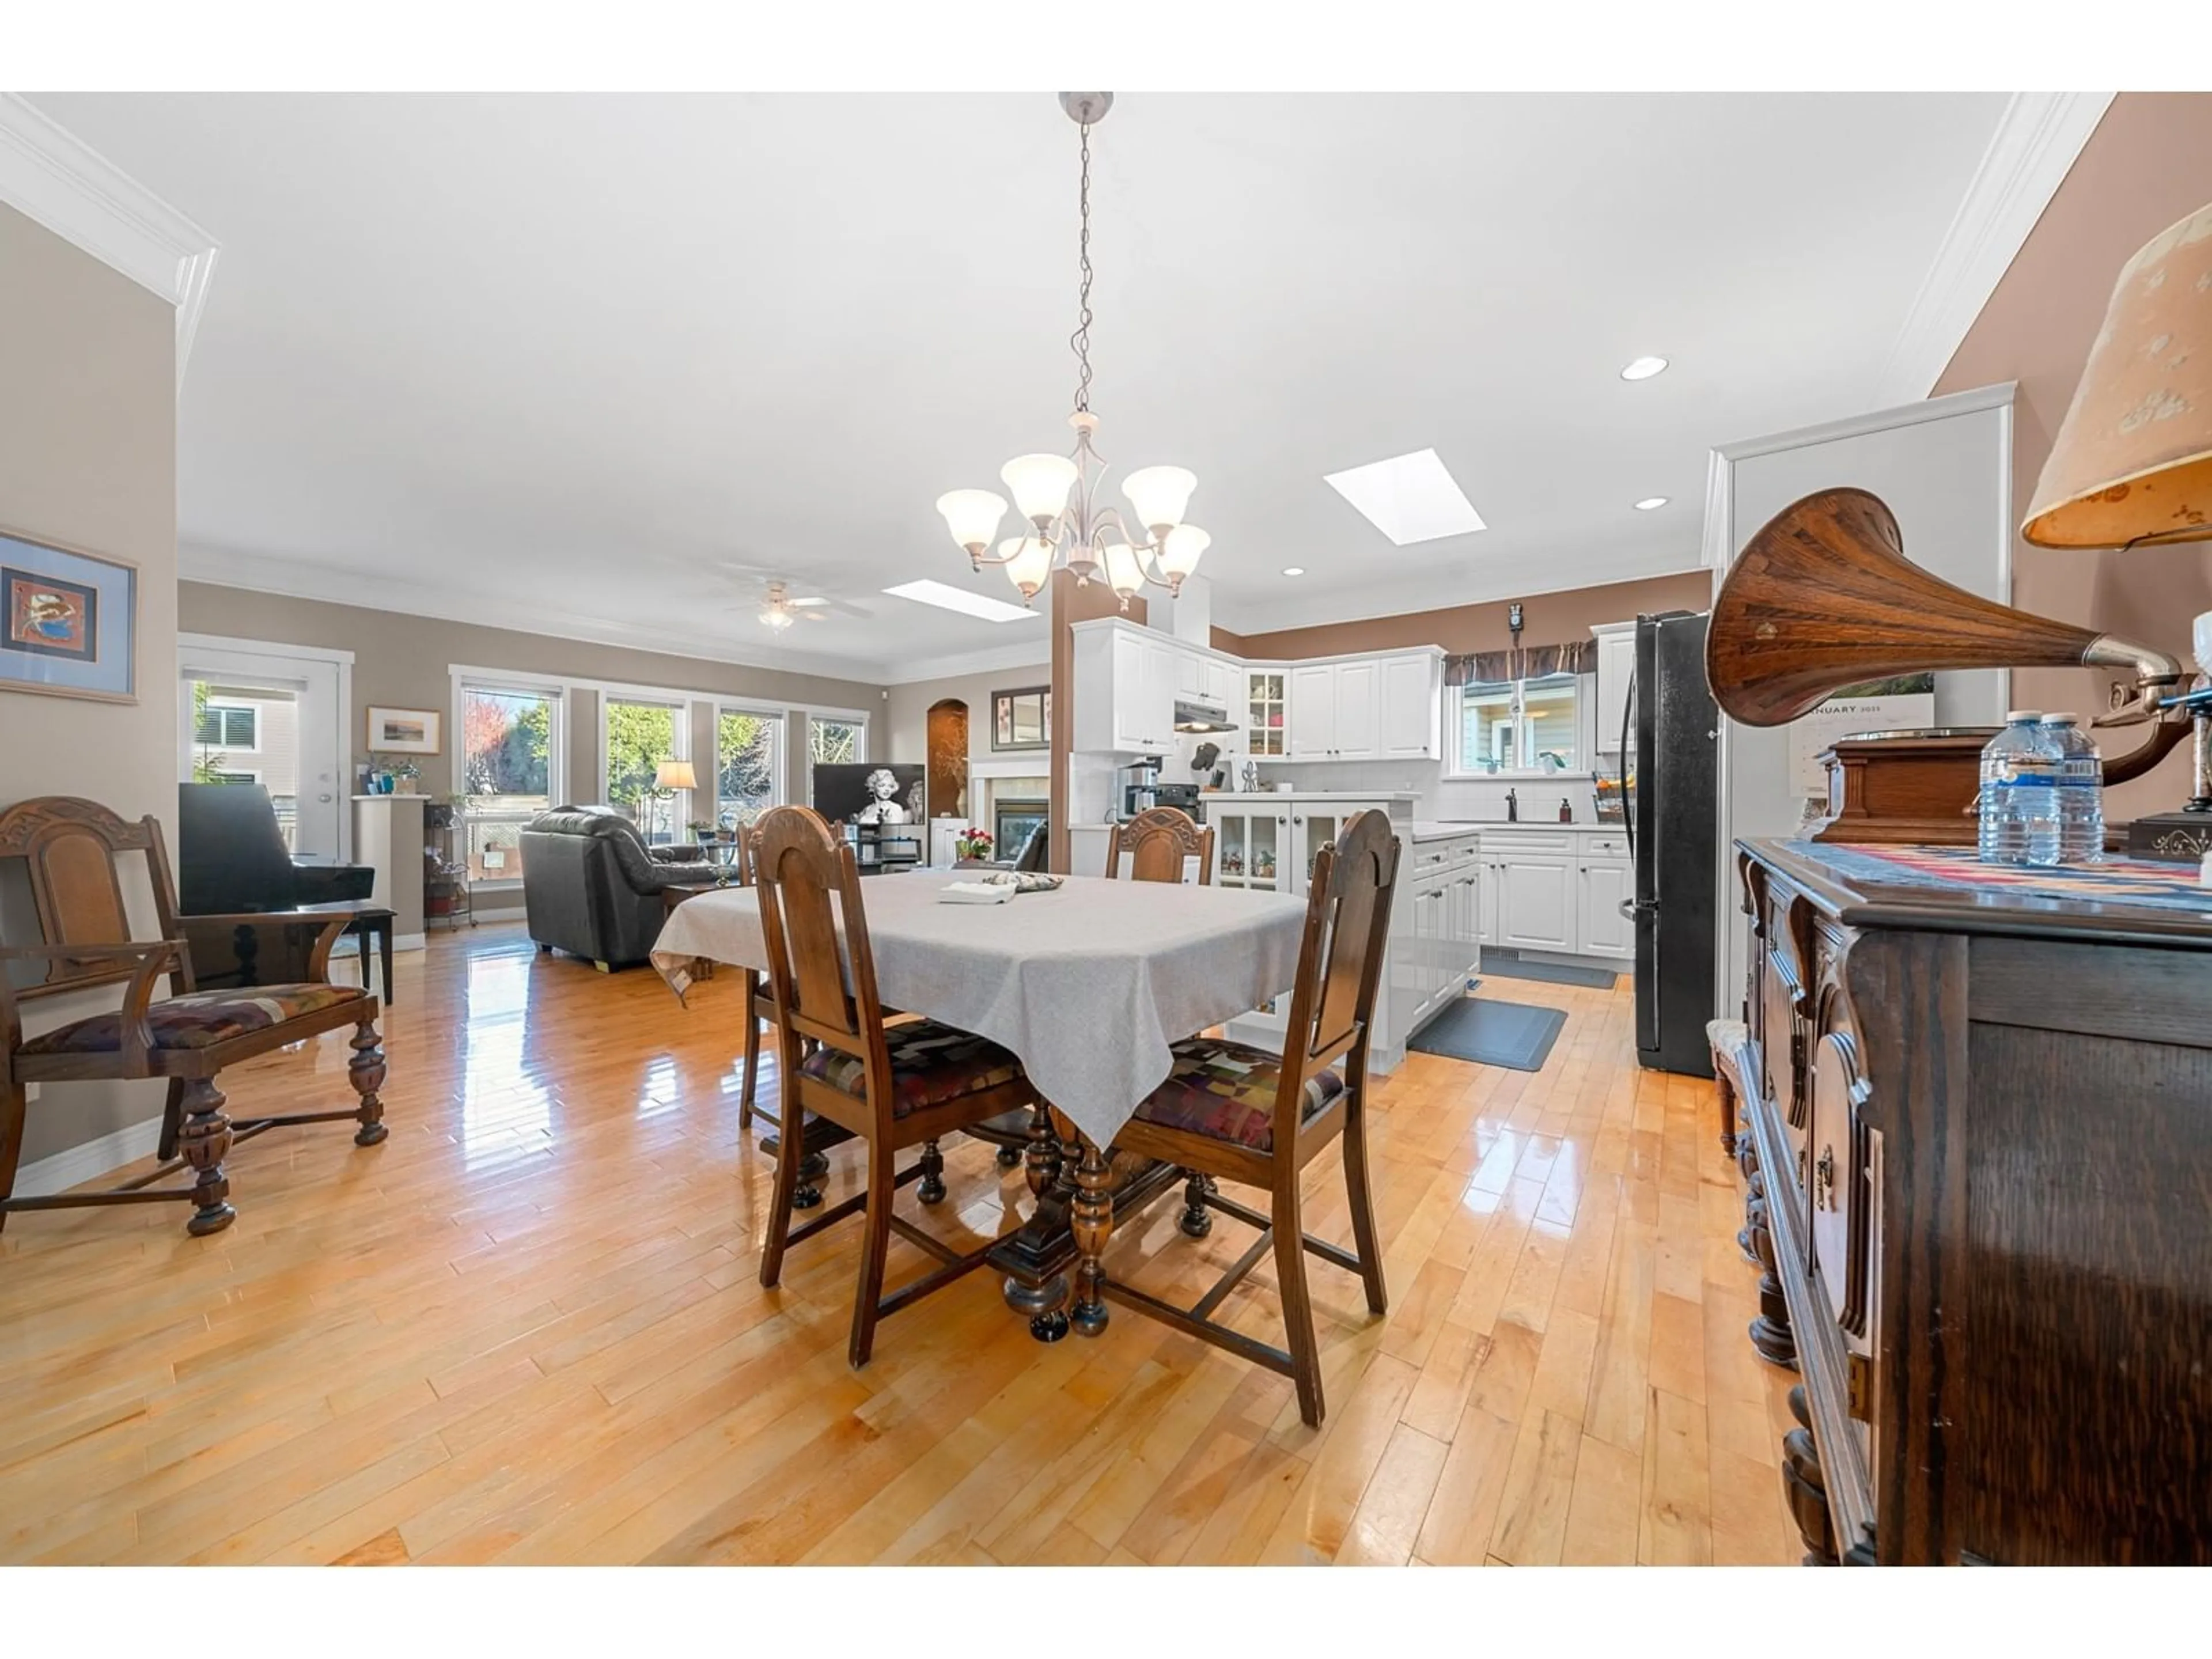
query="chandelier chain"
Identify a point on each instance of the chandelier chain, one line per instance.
(1081, 340)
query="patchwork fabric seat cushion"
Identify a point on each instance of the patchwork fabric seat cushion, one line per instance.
(1226, 1091)
(198, 1020)
(931, 1064)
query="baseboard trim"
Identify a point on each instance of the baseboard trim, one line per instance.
(410, 941)
(75, 1165)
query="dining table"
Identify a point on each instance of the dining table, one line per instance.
(1088, 985)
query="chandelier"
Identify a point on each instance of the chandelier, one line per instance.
(1059, 495)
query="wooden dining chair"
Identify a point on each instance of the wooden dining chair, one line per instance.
(70, 849)
(1231, 1112)
(1157, 841)
(893, 1086)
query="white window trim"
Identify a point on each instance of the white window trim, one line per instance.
(680, 804)
(1585, 707)
(237, 705)
(554, 691)
(839, 717)
(778, 776)
(250, 774)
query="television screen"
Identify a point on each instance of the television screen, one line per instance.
(844, 793)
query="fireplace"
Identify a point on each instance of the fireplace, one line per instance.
(1011, 820)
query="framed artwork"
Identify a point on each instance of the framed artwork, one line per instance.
(1022, 719)
(403, 730)
(69, 621)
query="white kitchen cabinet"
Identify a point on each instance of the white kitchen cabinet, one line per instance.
(1616, 668)
(1536, 894)
(1223, 683)
(1125, 692)
(1266, 713)
(1487, 899)
(1190, 674)
(1606, 931)
(1253, 847)
(1313, 711)
(1411, 699)
(1357, 715)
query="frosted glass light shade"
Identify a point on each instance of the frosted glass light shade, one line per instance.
(1123, 574)
(972, 515)
(1040, 484)
(1029, 562)
(1180, 553)
(1158, 495)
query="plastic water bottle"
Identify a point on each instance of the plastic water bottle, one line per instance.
(2080, 790)
(2018, 806)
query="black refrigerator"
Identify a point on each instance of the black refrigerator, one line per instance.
(1669, 790)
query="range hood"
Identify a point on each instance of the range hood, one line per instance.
(1197, 715)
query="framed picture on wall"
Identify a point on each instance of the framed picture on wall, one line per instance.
(1022, 719)
(403, 730)
(69, 621)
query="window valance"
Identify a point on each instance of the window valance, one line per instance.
(1529, 662)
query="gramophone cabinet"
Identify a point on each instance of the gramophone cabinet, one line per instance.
(1916, 788)
(1975, 1128)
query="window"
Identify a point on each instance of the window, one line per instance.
(640, 735)
(228, 726)
(837, 741)
(510, 770)
(748, 764)
(229, 777)
(1519, 726)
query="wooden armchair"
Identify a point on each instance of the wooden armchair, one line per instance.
(71, 849)
(1157, 841)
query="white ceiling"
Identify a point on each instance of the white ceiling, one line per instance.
(539, 360)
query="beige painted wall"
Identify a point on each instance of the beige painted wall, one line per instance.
(1546, 619)
(404, 661)
(88, 456)
(2148, 164)
(907, 728)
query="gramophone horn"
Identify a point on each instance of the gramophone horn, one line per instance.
(1824, 598)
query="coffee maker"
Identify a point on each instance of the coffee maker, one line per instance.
(1138, 786)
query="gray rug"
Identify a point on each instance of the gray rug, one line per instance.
(1509, 1034)
(1506, 965)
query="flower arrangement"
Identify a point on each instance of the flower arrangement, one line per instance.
(972, 843)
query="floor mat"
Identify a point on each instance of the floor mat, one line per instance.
(1509, 1034)
(1506, 965)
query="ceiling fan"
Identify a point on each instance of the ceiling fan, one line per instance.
(778, 606)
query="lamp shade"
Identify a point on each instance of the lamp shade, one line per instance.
(972, 515)
(1040, 484)
(1159, 495)
(1180, 553)
(1027, 560)
(1123, 574)
(2133, 461)
(674, 774)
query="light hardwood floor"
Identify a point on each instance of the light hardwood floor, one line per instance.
(528, 1328)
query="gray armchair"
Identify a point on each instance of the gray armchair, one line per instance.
(592, 887)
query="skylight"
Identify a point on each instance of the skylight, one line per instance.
(1409, 498)
(947, 597)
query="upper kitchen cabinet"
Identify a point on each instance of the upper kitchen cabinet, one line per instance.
(1412, 706)
(1384, 707)
(1616, 667)
(1125, 690)
(1267, 712)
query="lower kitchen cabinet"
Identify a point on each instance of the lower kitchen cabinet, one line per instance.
(1536, 899)
(1606, 929)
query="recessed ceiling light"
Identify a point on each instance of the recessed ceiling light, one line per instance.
(1643, 368)
(1651, 503)
(948, 598)
(1409, 498)
(1294, 570)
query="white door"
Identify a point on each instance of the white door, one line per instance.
(250, 715)
(1359, 710)
(1537, 900)
(1313, 712)
(1606, 932)
(1407, 728)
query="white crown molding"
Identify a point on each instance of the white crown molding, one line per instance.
(995, 661)
(50, 175)
(1438, 589)
(223, 568)
(2028, 156)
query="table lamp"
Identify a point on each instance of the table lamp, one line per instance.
(2132, 464)
(675, 774)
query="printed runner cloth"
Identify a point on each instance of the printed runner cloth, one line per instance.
(2112, 881)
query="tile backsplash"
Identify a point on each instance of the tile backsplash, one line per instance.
(1478, 799)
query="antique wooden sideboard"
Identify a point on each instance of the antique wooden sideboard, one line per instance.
(1976, 1128)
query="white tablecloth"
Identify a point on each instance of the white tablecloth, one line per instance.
(1088, 985)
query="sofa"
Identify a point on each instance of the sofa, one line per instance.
(593, 887)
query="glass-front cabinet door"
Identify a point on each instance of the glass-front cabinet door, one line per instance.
(1252, 846)
(1266, 720)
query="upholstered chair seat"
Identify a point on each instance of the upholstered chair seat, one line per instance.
(931, 1065)
(198, 1019)
(1226, 1091)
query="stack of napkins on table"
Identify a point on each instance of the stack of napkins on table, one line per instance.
(974, 892)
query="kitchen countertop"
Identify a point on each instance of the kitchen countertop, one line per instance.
(1314, 794)
(1443, 830)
